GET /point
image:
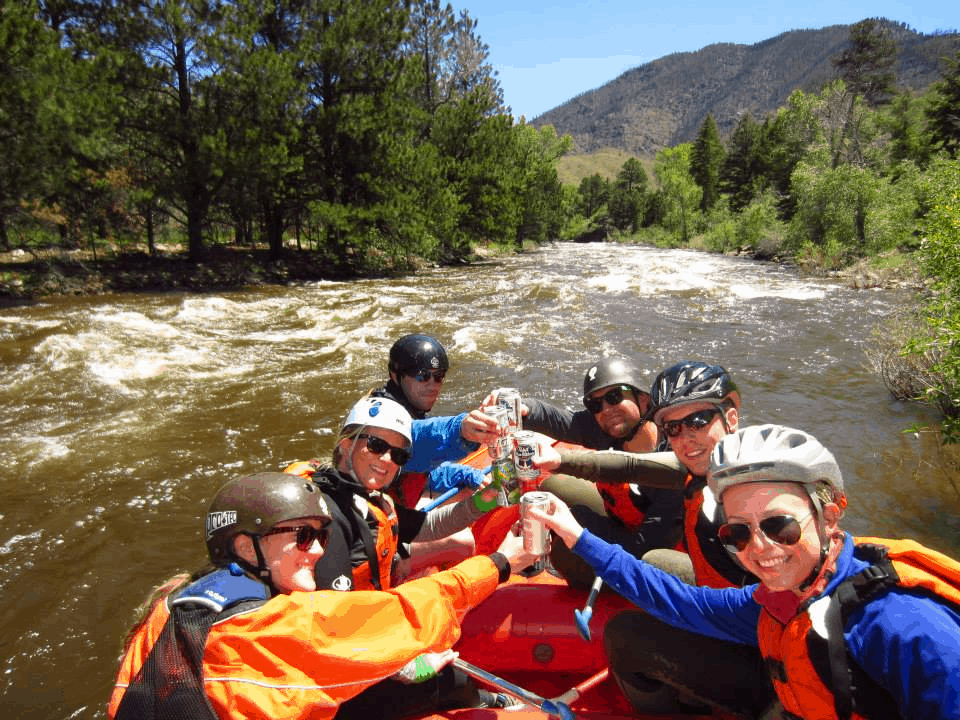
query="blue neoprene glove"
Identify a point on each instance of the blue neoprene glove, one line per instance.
(452, 475)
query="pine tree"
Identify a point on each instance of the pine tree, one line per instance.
(705, 162)
(944, 109)
(867, 65)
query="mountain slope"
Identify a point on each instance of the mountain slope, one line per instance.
(664, 102)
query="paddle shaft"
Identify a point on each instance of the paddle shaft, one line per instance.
(548, 706)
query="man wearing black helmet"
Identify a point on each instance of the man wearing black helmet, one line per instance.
(418, 365)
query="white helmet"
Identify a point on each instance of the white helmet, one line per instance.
(771, 453)
(379, 412)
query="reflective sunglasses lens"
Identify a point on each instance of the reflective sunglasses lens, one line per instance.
(782, 529)
(694, 421)
(424, 375)
(611, 397)
(306, 534)
(378, 446)
(734, 537)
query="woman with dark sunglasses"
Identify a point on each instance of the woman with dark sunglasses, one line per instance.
(386, 541)
(839, 627)
(251, 637)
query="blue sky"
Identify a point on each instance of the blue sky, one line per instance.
(546, 52)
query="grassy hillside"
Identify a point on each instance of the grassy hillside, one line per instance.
(573, 168)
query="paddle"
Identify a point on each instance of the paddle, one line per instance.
(574, 693)
(550, 707)
(583, 616)
(446, 495)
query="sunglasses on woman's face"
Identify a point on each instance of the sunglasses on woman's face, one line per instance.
(306, 534)
(422, 376)
(613, 396)
(781, 529)
(693, 421)
(378, 446)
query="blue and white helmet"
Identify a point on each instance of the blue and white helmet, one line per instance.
(379, 412)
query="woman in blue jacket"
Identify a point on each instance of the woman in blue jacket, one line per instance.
(838, 627)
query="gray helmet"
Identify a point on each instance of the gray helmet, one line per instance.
(611, 371)
(417, 352)
(253, 504)
(690, 382)
(772, 453)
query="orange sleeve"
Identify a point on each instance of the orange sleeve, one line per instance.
(301, 655)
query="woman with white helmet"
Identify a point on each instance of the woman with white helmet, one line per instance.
(837, 627)
(372, 447)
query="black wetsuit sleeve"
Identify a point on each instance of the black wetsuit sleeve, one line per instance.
(574, 427)
(650, 470)
(410, 521)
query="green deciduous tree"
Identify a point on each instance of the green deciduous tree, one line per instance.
(681, 194)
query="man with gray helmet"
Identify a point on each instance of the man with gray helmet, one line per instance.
(616, 404)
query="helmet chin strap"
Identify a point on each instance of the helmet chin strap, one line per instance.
(260, 569)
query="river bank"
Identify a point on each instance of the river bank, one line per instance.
(27, 276)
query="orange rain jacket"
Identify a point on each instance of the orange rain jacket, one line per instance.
(301, 655)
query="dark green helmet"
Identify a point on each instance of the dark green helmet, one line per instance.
(610, 371)
(417, 352)
(253, 504)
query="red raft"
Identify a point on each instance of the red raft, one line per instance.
(527, 634)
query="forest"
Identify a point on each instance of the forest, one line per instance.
(374, 136)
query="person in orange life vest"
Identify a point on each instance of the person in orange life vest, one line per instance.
(694, 405)
(250, 636)
(616, 402)
(372, 446)
(841, 627)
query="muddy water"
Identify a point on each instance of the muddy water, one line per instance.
(123, 414)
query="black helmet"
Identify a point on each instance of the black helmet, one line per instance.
(690, 382)
(417, 352)
(609, 372)
(253, 504)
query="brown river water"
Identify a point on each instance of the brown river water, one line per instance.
(122, 415)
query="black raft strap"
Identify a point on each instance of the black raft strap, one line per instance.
(850, 595)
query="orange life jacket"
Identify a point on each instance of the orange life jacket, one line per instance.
(380, 548)
(712, 564)
(803, 664)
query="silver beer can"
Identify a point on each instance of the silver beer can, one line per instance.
(498, 448)
(509, 398)
(524, 449)
(536, 536)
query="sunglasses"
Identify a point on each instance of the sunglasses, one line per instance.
(423, 376)
(378, 446)
(781, 529)
(613, 396)
(306, 534)
(693, 421)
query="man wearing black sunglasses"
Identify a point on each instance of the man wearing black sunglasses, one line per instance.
(615, 405)
(418, 366)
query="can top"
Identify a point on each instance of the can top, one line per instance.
(534, 496)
